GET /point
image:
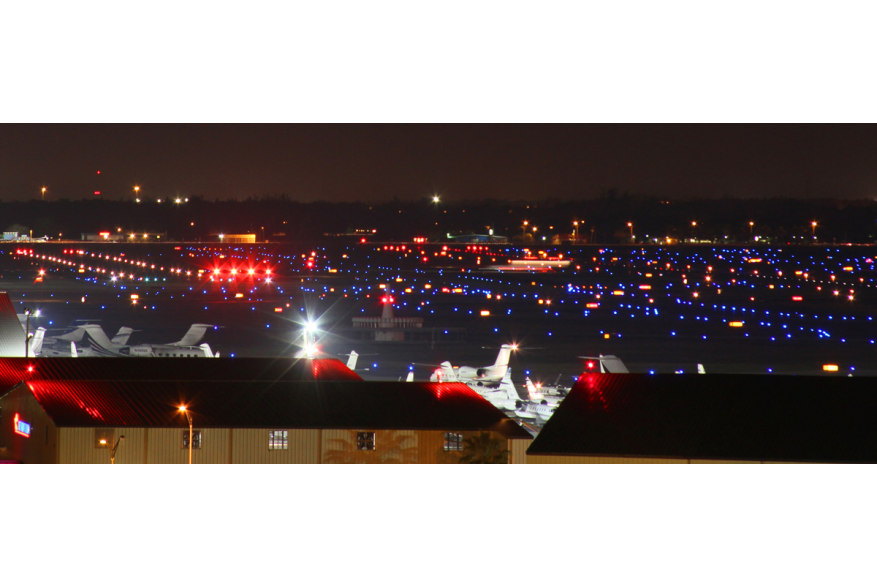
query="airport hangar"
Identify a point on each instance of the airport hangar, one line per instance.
(669, 418)
(61, 410)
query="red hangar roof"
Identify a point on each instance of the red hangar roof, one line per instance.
(14, 370)
(243, 393)
(270, 404)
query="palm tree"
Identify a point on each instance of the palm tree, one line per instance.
(484, 449)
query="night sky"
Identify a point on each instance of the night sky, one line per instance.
(379, 162)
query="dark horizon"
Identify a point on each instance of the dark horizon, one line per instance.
(377, 163)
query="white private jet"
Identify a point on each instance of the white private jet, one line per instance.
(96, 343)
(491, 373)
(502, 394)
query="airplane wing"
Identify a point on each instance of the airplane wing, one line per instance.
(193, 336)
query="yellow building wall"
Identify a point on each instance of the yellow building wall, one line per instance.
(165, 445)
(220, 445)
(77, 446)
(251, 446)
(518, 448)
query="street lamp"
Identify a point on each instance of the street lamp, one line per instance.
(136, 193)
(524, 233)
(693, 227)
(191, 437)
(630, 226)
(43, 195)
(575, 230)
(113, 450)
(435, 199)
(27, 314)
(813, 224)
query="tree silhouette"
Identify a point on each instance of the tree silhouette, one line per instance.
(484, 449)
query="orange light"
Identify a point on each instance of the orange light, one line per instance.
(485, 312)
(829, 367)
(735, 324)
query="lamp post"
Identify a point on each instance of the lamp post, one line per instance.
(43, 194)
(524, 233)
(693, 228)
(630, 226)
(191, 436)
(113, 450)
(27, 313)
(575, 230)
(813, 224)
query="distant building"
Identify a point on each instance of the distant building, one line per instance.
(236, 238)
(477, 238)
(389, 328)
(128, 237)
(244, 411)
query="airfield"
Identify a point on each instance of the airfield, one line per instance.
(661, 309)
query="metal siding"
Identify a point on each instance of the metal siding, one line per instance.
(166, 446)
(391, 446)
(251, 446)
(77, 447)
(518, 449)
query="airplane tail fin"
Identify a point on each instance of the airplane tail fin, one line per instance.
(122, 336)
(207, 352)
(502, 359)
(36, 343)
(351, 362)
(448, 372)
(512, 390)
(98, 340)
(700, 369)
(12, 335)
(193, 336)
(410, 377)
(612, 364)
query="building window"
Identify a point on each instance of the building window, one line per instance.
(365, 441)
(278, 439)
(197, 439)
(453, 441)
(104, 437)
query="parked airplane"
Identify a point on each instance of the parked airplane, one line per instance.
(502, 394)
(93, 342)
(495, 372)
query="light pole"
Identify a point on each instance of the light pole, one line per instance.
(813, 224)
(43, 195)
(191, 436)
(693, 228)
(575, 230)
(524, 233)
(630, 226)
(136, 193)
(27, 313)
(751, 224)
(113, 450)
